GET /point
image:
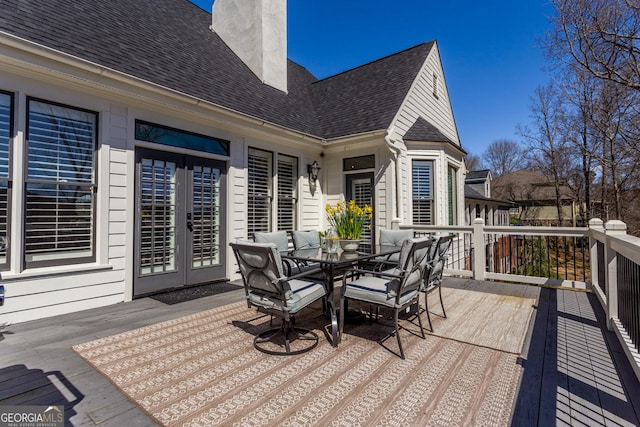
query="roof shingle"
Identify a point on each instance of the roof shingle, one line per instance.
(168, 42)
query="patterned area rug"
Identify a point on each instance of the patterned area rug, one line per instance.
(202, 370)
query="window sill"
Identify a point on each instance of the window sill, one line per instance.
(42, 272)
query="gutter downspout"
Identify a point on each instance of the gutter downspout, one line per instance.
(395, 149)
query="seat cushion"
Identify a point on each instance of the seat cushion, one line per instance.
(302, 294)
(377, 290)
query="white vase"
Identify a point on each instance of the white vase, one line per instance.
(349, 245)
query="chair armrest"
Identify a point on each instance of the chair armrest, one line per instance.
(373, 273)
(305, 273)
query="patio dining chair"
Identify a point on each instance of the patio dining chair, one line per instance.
(305, 239)
(281, 240)
(391, 239)
(394, 289)
(272, 292)
(434, 267)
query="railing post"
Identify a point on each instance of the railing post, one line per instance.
(594, 223)
(612, 228)
(395, 224)
(479, 255)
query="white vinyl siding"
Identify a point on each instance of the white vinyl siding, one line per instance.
(422, 190)
(59, 185)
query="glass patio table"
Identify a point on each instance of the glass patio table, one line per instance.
(332, 264)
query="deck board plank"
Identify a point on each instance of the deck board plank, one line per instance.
(571, 363)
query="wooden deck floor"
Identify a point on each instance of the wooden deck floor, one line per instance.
(574, 371)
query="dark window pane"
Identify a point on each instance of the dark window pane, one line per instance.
(357, 163)
(178, 138)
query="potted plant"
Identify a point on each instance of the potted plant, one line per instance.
(349, 220)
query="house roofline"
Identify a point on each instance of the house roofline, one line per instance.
(40, 50)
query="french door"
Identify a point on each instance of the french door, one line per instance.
(360, 189)
(180, 218)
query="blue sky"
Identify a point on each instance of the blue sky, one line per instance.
(489, 50)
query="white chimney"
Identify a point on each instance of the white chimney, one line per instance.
(256, 30)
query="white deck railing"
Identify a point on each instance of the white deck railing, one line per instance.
(601, 257)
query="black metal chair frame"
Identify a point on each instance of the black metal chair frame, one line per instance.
(414, 262)
(278, 292)
(434, 281)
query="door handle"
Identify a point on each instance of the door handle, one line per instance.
(189, 223)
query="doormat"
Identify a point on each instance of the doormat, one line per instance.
(194, 292)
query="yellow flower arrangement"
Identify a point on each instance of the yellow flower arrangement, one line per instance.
(348, 218)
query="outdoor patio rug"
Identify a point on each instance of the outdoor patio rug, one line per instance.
(202, 370)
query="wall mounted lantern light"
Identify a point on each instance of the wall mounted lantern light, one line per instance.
(313, 169)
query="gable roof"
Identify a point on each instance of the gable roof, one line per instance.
(479, 176)
(472, 194)
(528, 186)
(367, 98)
(168, 43)
(422, 130)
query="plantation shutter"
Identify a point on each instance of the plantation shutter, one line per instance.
(6, 105)
(259, 191)
(60, 199)
(287, 190)
(422, 178)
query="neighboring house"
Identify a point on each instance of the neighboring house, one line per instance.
(480, 204)
(534, 197)
(136, 143)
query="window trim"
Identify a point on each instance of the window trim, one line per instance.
(5, 266)
(93, 188)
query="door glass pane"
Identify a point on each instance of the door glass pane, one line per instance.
(157, 216)
(206, 216)
(361, 192)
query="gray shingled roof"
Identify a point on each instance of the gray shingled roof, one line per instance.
(168, 42)
(422, 130)
(367, 98)
(477, 175)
